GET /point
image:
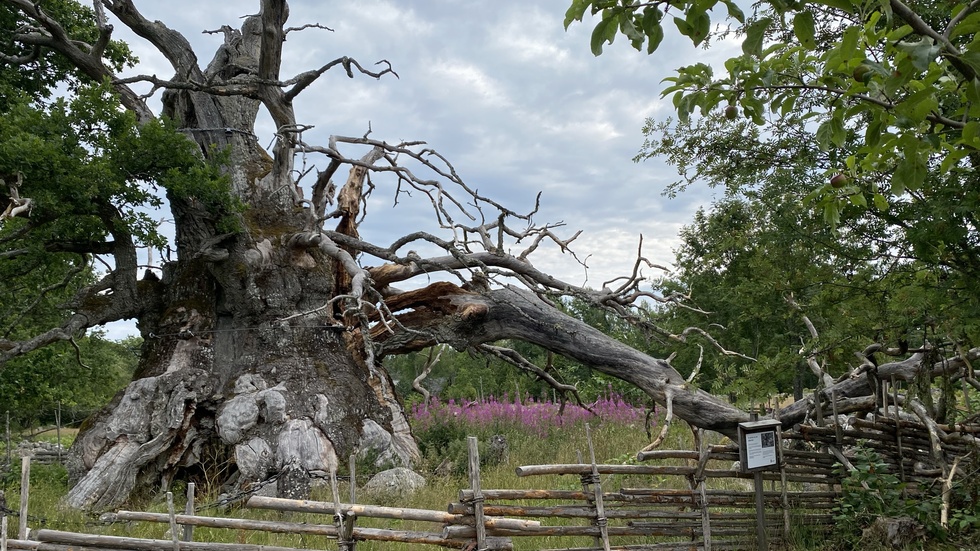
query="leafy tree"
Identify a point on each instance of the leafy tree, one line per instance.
(864, 114)
(77, 379)
(900, 83)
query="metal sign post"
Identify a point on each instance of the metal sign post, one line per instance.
(758, 451)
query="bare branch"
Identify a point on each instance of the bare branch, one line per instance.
(825, 379)
(434, 354)
(516, 359)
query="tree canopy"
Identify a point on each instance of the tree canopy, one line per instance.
(844, 139)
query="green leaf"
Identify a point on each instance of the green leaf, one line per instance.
(734, 11)
(700, 24)
(849, 43)
(654, 37)
(651, 27)
(921, 53)
(858, 200)
(971, 58)
(838, 133)
(968, 25)
(683, 26)
(576, 11)
(918, 105)
(899, 33)
(911, 170)
(803, 27)
(755, 33)
(604, 31)
(831, 214)
(880, 202)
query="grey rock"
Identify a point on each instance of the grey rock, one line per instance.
(399, 481)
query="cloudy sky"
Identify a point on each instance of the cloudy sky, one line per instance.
(516, 103)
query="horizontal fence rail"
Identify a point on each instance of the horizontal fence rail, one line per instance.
(696, 499)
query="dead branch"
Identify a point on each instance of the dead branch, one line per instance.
(826, 380)
(434, 354)
(516, 359)
(17, 205)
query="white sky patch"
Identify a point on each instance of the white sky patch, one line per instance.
(609, 253)
(459, 78)
(530, 37)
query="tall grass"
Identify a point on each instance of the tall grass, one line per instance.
(537, 432)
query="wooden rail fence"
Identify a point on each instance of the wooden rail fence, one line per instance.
(700, 499)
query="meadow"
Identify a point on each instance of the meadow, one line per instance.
(535, 431)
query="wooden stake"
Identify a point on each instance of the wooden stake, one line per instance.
(600, 510)
(189, 510)
(173, 521)
(474, 458)
(339, 517)
(699, 477)
(898, 432)
(25, 487)
(353, 479)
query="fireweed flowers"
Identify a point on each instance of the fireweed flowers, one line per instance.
(539, 418)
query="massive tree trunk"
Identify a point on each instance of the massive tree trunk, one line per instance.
(241, 364)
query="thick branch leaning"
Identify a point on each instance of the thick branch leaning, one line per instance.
(450, 314)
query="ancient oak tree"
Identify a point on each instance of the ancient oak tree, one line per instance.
(264, 333)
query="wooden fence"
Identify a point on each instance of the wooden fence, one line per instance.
(686, 499)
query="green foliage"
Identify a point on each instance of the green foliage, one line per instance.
(84, 162)
(873, 491)
(844, 137)
(43, 70)
(869, 492)
(891, 91)
(33, 386)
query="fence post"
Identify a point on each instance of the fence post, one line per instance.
(703, 456)
(344, 522)
(189, 510)
(25, 489)
(174, 536)
(587, 489)
(784, 497)
(898, 433)
(473, 449)
(57, 422)
(353, 479)
(600, 510)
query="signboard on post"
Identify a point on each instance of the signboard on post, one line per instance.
(758, 450)
(757, 445)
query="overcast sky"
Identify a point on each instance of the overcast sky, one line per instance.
(516, 103)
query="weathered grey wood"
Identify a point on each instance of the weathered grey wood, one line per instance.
(25, 493)
(473, 456)
(377, 511)
(272, 526)
(171, 519)
(137, 544)
(699, 479)
(600, 511)
(189, 510)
